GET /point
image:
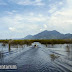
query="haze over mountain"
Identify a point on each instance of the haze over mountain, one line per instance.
(28, 37)
(49, 35)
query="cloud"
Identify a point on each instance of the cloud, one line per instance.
(61, 3)
(20, 23)
(40, 15)
(45, 26)
(55, 6)
(36, 19)
(69, 2)
(29, 2)
(62, 20)
(31, 14)
(31, 22)
(11, 12)
(12, 29)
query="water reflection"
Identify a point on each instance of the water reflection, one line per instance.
(3, 44)
(52, 45)
(62, 49)
(67, 48)
(14, 46)
(11, 47)
(69, 51)
(1, 55)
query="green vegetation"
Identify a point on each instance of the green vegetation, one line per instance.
(29, 42)
(16, 42)
(55, 41)
(21, 42)
(53, 57)
(4, 41)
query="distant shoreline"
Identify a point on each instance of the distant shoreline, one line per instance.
(42, 41)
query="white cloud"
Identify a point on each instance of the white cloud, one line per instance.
(60, 3)
(29, 2)
(45, 26)
(55, 6)
(31, 14)
(40, 15)
(41, 29)
(21, 24)
(52, 10)
(60, 20)
(11, 12)
(36, 19)
(38, 0)
(12, 29)
(69, 3)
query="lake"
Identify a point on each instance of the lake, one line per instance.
(42, 58)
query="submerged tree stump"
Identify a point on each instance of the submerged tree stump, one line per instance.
(10, 45)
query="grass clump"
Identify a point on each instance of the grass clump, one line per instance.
(53, 57)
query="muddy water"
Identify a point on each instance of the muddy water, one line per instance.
(42, 58)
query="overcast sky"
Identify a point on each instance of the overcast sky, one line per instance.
(19, 18)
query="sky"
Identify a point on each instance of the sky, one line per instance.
(19, 18)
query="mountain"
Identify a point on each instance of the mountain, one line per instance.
(28, 37)
(67, 36)
(49, 35)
